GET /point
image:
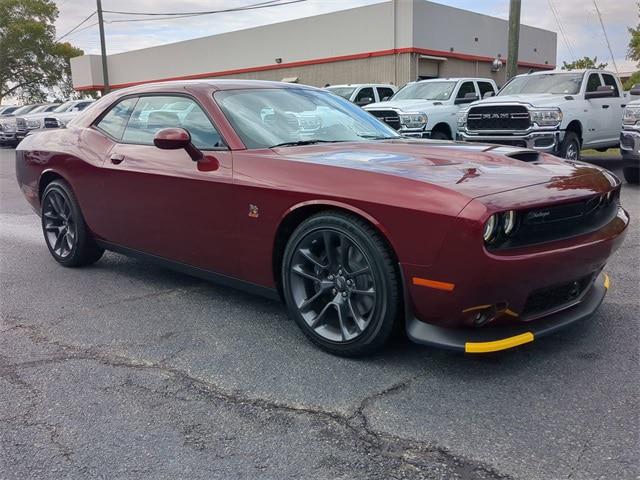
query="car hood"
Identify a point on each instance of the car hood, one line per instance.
(536, 100)
(409, 106)
(474, 170)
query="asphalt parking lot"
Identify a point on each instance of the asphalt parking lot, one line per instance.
(124, 371)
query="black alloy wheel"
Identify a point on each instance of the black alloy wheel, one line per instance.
(65, 232)
(340, 284)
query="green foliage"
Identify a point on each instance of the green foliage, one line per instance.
(32, 63)
(585, 62)
(634, 79)
(633, 52)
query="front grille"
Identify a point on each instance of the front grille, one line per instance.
(498, 117)
(21, 124)
(389, 117)
(546, 224)
(553, 298)
(50, 122)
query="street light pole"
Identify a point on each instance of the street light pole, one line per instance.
(103, 48)
(514, 38)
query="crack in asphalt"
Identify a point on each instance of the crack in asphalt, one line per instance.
(410, 452)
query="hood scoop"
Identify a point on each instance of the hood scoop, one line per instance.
(528, 156)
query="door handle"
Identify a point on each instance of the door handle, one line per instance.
(605, 106)
(116, 158)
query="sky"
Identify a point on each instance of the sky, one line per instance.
(578, 19)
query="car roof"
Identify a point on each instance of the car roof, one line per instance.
(345, 85)
(580, 70)
(211, 84)
(454, 79)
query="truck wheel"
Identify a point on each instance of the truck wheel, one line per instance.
(570, 148)
(632, 174)
(439, 136)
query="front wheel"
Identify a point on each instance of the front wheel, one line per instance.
(570, 147)
(69, 240)
(632, 174)
(340, 284)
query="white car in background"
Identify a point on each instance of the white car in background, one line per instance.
(364, 93)
(63, 114)
(429, 108)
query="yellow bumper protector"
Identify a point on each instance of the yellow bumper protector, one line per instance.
(606, 281)
(497, 345)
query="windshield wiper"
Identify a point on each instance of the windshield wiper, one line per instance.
(303, 142)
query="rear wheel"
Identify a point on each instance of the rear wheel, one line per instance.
(340, 284)
(632, 174)
(65, 232)
(570, 148)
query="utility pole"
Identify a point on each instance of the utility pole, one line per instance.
(103, 48)
(514, 38)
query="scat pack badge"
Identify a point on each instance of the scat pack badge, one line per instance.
(253, 211)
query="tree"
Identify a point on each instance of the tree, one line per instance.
(633, 53)
(585, 62)
(32, 63)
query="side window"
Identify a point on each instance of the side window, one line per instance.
(466, 87)
(385, 93)
(115, 120)
(593, 83)
(363, 94)
(485, 87)
(609, 80)
(153, 113)
(81, 106)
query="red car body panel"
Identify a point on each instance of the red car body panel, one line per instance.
(429, 199)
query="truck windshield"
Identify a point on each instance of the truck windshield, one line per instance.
(344, 92)
(556, 83)
(426, 91)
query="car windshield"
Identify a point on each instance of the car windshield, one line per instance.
(63, 107)
(266, 117)
(426, 91)
(344, 92)
(38, 109)
(25, 109)
(556, 83)
(9, 110)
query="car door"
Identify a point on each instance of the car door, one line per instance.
(596, 115)
(463, 89)
(484, 88)
(614, 110)
(364, 97)
(384, 93)
(161, 202)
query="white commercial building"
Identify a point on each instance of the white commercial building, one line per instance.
(396, 41)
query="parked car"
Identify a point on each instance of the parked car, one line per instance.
(35, 120)
(559, 112)
(364, 93)
(8, 127)
(24, 123)
(429, 108)
(355, 227)
(630, 139)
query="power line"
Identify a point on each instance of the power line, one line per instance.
(269, 3)
(562, 33)
(606, 37)
(76, 27)
(84, 28)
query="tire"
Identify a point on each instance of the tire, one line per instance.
(438, 135)
(65, 231)
(631, 174)
(345, 301)
(570, 147)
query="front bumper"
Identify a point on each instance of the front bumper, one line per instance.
(485, 340)
(630, 147)
(547, 141)
(414, 132)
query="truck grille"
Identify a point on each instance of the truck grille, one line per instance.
(547, 224)
(21, 124)
(389, 117)
(498, 117)
(555, 297)
(50, 122)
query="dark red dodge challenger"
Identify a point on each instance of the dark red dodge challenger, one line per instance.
(293, 192)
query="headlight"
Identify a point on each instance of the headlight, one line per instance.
(508, 222)
(416, 120)
(490, 228)
(546, 117)
(462, 117)
(631, 115)
(33, 123)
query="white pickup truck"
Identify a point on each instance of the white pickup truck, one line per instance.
(560, 112)
(429, 108)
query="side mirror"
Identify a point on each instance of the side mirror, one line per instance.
(468, 98)
(635, 90)
(488, 94)
(603, 91)
(364, 101)
(176, 139)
